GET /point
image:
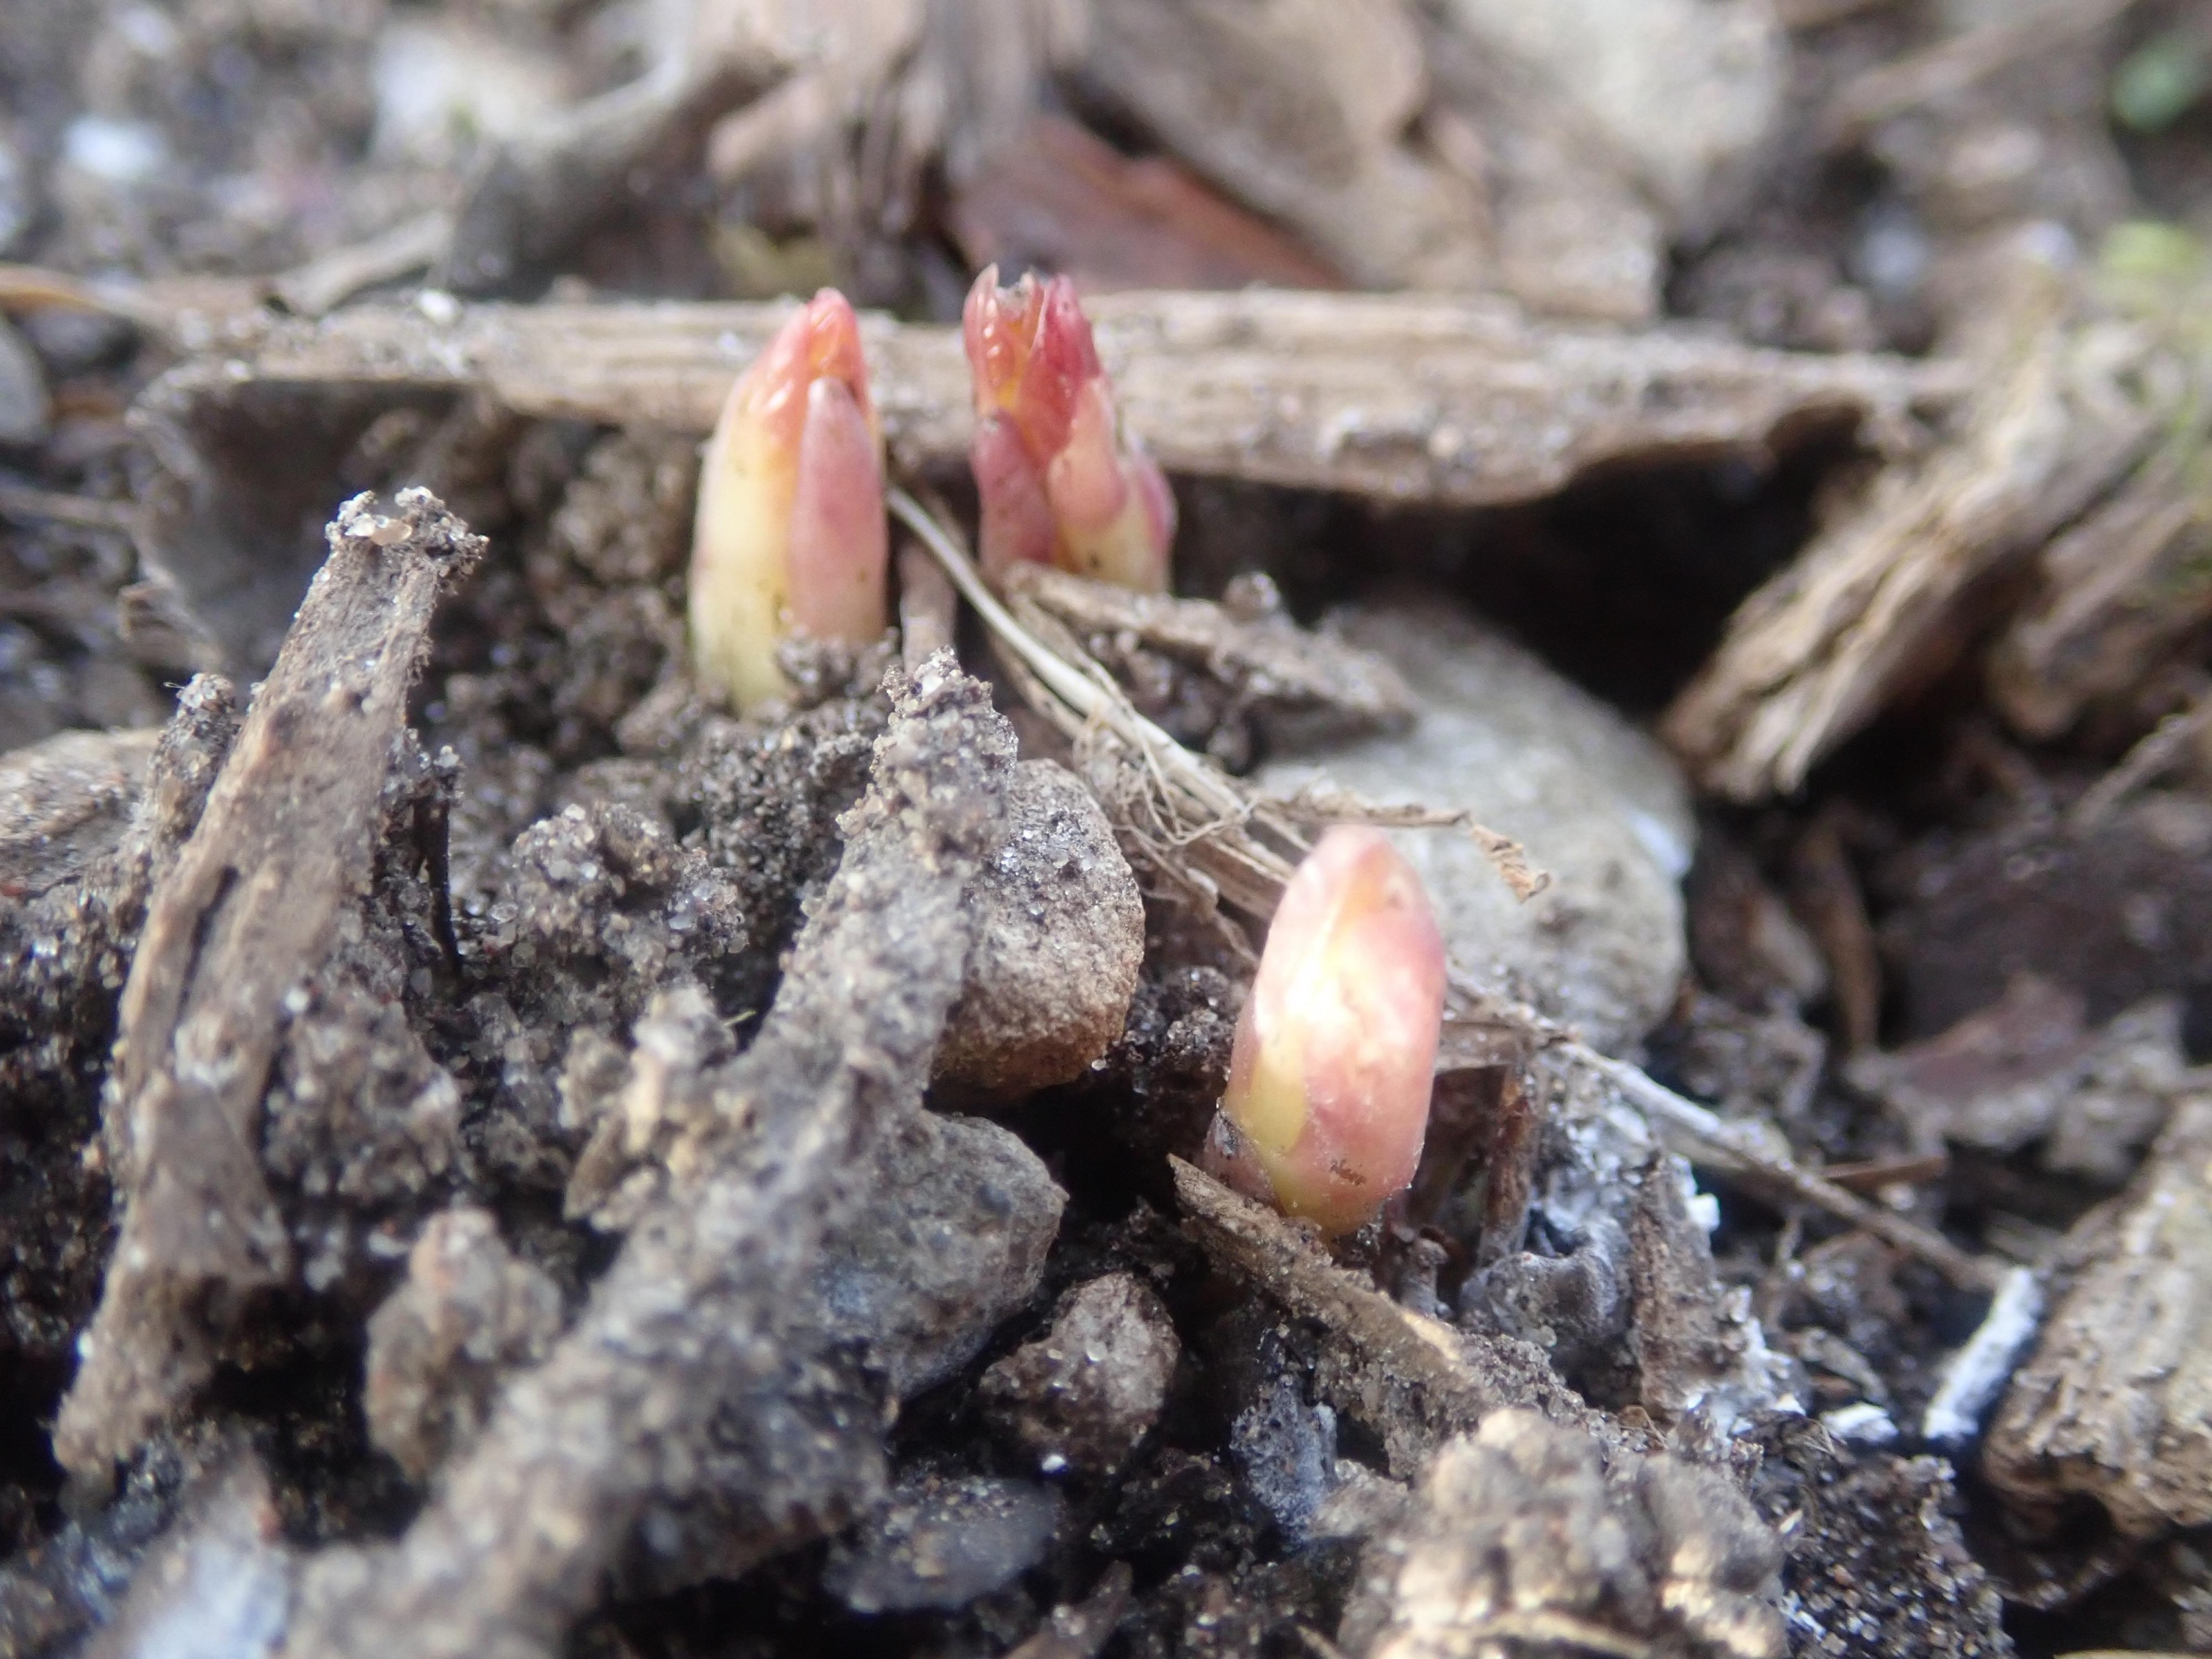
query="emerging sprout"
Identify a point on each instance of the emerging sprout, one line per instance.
(1329, 1079)
(1060, 482)
(790, 536)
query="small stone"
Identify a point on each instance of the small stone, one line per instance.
(953, 1241)
(119, 153)
(1087, 1393)
(1060, 935)
(1595, 802)
(940, 1543)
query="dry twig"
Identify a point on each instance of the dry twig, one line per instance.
(1442, 1380)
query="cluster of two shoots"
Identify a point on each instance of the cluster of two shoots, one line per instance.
(1328, 1095)
(791, 536)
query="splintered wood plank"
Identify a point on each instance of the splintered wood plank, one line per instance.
(1409, 397)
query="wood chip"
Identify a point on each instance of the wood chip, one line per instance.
(1875, 604)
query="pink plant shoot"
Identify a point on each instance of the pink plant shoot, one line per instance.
(1329, 1078)
(1061, 481)
(790, 536)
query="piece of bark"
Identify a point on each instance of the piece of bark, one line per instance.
(1512, 1136)
(1879, 602)
(2115, 1404)
(1415, 1380)
(247, 914)
(1415, 398)
(690, 1316)
(1683, 1353)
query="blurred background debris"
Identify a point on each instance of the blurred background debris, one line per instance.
(485, 1155)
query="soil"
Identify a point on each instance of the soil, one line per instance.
(501, 1155)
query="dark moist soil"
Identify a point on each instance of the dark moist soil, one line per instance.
(566, 832)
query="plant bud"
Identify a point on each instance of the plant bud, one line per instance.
(1062, 483)
(790, 536)
(1335, 1051)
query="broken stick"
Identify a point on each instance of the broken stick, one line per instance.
(246, 915)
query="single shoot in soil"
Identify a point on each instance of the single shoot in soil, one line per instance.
(790, 534)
